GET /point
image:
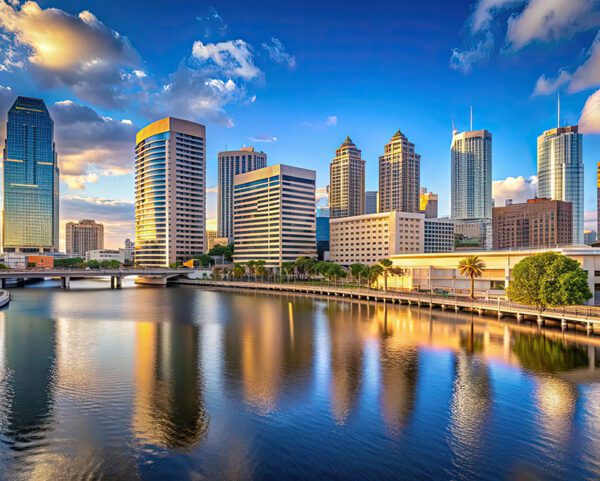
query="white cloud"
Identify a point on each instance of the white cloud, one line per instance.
(587, 75)
(279, 54)
(463, 60)
(212, 23)
(263, 138)
(484, 12)
(63, 50)
(519, 189)
(547, 86)
(232, 58)
(330, 121)
(589, 122)
(545, 20)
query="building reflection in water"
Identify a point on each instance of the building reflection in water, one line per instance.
(26, 380)
(399, 365)
(168, 406)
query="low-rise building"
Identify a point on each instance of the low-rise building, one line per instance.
(106, 255)
(439, 235)
(14, 261)
(211, 235)
(439, 272)
(46, 262)
(534, 224)
(367, 239)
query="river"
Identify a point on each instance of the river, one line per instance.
(184, 383)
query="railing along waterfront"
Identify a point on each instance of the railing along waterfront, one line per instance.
(581, 313)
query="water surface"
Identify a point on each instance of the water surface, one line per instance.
(183, 383)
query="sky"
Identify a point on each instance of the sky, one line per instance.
(295, 78)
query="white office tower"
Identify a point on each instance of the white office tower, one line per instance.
(560, 171)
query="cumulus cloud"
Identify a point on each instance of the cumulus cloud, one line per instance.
(7, 97)
(484, 12)
(279, 54)
(546, 85)
(330, 121)
(75, 51)
(589, 122)
(116, 215)
(212, 23)
(463, 60)
(263, 138)
(519, 189)
(233, 58)
(91, 145)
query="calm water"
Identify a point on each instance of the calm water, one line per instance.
(180, 383)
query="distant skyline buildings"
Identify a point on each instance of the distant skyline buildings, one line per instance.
(170, 192)
(399, 176)
(347, 181)
(428, 203)
(471, 175)
(83, 236)
(560, 171)
(371, 201)
(230, 164)
(30, 217)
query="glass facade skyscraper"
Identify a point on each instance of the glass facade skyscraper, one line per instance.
(560, 171)
(30, 185)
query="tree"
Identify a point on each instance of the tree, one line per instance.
(92, 264)
(251, 265)
(472, 267)
(373, 273)
(222, 251)
(205, 260)
(358, 271)
(217, 273)
(547, 280)
(386, 266)
(259, 269)
(3, 266)
(397, 271)
(304, 265)
(288, 268)
(332, 271)
(72, 262)
(239, 270)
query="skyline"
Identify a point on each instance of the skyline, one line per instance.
(243, 64)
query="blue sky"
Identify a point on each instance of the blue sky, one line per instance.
(294, 79)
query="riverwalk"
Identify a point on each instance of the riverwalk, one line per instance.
(587, 316)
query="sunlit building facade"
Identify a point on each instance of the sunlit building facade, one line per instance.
(232, 163)
(347, 181)
(399, 176)
(428, 203)
(83, 236)
(471, 175)
(560, 171)
(30, 173)
(275, 215)
(170, 192)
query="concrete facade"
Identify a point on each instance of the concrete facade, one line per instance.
(347, 182)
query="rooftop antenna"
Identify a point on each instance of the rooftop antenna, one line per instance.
(558, 112)
(471, 123)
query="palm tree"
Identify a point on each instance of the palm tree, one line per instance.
(358, 270)
(471, 266)
(397, 271)
(373, 273)
(259, 269)
(239, 270)
(252, 268)
(386, 266)
(287, 268)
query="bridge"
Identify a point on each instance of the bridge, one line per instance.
(157, 276)
(588, 316)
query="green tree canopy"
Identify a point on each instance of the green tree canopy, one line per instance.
(472, 267)
(547, 280)
(221, 250)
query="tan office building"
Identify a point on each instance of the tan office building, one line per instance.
(428, 204)
(83, 236)
(534, 224)
(367, 239)
(274, 215)
(347, 182)
(399, 176)
(170, 192)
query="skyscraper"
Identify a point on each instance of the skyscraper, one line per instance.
(428, 204)
(170, 192)
(560, 171)
(399, 176)
(83, 236)
(232, 163)
(30, 212)
(471, 175)
(347, 181)
(371, 201)
(274, 215)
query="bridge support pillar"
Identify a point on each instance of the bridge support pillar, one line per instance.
(540, 321)
(456, 308)
(563, 324)
(480, 312)
(500, 315)
(3, 283)
(519, 317)
(443, 307)
(589, 328)
(117, 282)
(65, 282)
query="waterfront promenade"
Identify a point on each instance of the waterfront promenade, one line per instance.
(587, 316)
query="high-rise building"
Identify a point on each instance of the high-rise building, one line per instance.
(471, 175)
(322, 234)
(232, 163)
(598, 198)
(347, 181)
(399, 176)
(170, 192)
(560, 171)
(371, 201)
(274, 215)
(211, 235)
(367, 239)
(83, 236)
(428, 204)
(589, 236)
(30, 173)
(535, 224)
(439, 235)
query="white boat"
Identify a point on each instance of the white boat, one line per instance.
(4, 298)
